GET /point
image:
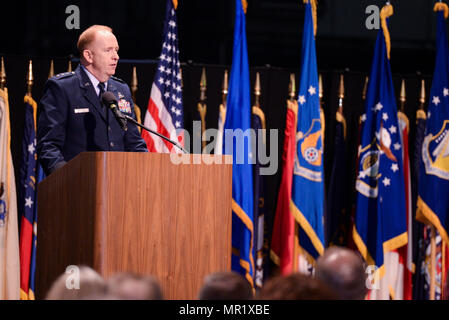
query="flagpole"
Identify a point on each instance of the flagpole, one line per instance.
(51, 72)
(202, 107)
(2, 74)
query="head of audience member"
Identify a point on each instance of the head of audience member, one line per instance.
(225, 286)
(343, 271)
(130, 286)
(77, 283)
(98, 48)
(295, 286)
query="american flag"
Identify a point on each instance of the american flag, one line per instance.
(165, 110)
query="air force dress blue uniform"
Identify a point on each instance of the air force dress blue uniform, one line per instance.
(73, 119)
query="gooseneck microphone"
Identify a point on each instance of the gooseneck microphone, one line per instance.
(110, 101)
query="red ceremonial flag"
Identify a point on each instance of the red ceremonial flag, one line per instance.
(406, 254)
(283, 237)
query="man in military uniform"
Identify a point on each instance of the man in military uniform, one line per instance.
(73, 119)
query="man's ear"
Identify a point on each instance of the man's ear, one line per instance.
(88, 55)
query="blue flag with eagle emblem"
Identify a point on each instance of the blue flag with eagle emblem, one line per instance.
(380, 219)
(307, 203)
(433, 190)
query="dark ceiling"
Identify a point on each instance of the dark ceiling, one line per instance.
(274, 31)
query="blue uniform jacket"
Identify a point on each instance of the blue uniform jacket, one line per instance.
(73, 119)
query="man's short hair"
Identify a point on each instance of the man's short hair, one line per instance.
(225, 286)
(88, 36)
(90, 283)
(295, 286)
(130, 286)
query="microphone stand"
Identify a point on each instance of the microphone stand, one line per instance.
(154, 132)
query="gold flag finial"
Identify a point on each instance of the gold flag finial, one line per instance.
(175, 4)
(402, 97)
(257, 90)
(320, 87)
(203, 85)
(341, 93)
(341, 90)
(2, 74)
(202, 107)
(365, 88)
(30, 77)
(69, 67)
(422, 97)
(134, 83)
(292, 87)
(182, 80)
(225, 87)
(51, 73)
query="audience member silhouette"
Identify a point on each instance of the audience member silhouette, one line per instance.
(343, 271)
(76, 284)
(130, 286)
(296, 287)
(225, 286)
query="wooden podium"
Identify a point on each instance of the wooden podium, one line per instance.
(136, 212)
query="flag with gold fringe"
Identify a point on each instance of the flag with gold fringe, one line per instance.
(433, 190)
(28, 201)
(380, 225)
(307, 202)
(9, 234)
(238, 120)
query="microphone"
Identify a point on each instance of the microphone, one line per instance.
(109, 100)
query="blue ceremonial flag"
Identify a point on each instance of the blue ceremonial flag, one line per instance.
(238, 120)
(27, 201)
(433, 190)
(307, 203)
(380, 219)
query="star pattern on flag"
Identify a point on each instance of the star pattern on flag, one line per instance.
(397, 146)
(446, 92)
(436, 100)
(386, 182)
(312, 90)
(31, 148)
(385, 116)
(393, 129)
(302, 100)
(378, 107)
(169, 75)
(363, 117)
(28, 202)
(394, 167)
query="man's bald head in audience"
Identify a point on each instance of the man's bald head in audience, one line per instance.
(343, 270)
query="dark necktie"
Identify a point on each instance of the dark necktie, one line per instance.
(101, 87)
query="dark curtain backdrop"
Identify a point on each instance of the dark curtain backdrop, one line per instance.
(274, 83)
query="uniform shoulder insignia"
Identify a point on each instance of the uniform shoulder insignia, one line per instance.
(118, 79)
(64, 75)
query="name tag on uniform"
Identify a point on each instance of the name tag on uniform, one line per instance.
(83, 110)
